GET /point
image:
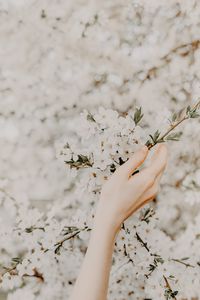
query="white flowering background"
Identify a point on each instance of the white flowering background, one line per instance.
(72, 75)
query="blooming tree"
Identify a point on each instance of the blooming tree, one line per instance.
(129, 68)
(149, 257)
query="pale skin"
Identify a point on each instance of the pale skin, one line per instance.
(121, 196)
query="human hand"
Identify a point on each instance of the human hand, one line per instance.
(123, 193)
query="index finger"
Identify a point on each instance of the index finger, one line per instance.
(158, 161)
(133, 162)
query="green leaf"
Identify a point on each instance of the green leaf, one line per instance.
(155, 136)
(82, 162)
(194, 115)
(188, 109)
(174, 117)
(90, 117)
(82, 158)
(174, 136)
(43, 14)
(138, 115)
(17, 260)
(192, 112)
(66, 146)
(57, 249)
(147, 215)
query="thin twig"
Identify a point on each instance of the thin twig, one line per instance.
(182, 262)
(10, 271)
(142, 242)
(67, 238)
(173, 126)
(168, 286)
(36, 274)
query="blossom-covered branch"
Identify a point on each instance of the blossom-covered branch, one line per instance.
(84, 161)
(177, 119)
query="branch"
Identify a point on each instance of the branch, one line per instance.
(35, 275)
(84, 161)
(182, 262)
(142, 242)
(169, 292)
(59, 244)
(193, 46)
(190, 112)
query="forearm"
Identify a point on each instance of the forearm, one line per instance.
(120, 197)
(93, 279)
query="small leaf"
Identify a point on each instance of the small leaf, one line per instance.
(57, 250)
(90, 117)
(155, 137)
(194, 115)
(174, 136)
(174, 117)
(147, 215)
(82, 158)
(188, 109)
(17, 260)
(160, 141)
(192, 112)
(148, 143)
(82, 162)
(29, 229)
(138, 115)
(66, 146)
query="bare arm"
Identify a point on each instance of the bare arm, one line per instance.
(121, 196)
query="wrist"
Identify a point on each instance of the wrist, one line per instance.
(104, 220)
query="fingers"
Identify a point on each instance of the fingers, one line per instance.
(157, 165)
(152, 191)
(146, 177)
(133, 162)
(159, 160)
(150, 194)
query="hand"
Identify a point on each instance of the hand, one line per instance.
(123, 193)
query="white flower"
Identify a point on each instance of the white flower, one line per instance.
(21, 294)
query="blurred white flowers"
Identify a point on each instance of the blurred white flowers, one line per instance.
(103, 59)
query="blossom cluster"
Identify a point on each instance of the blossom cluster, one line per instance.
(150, 251)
